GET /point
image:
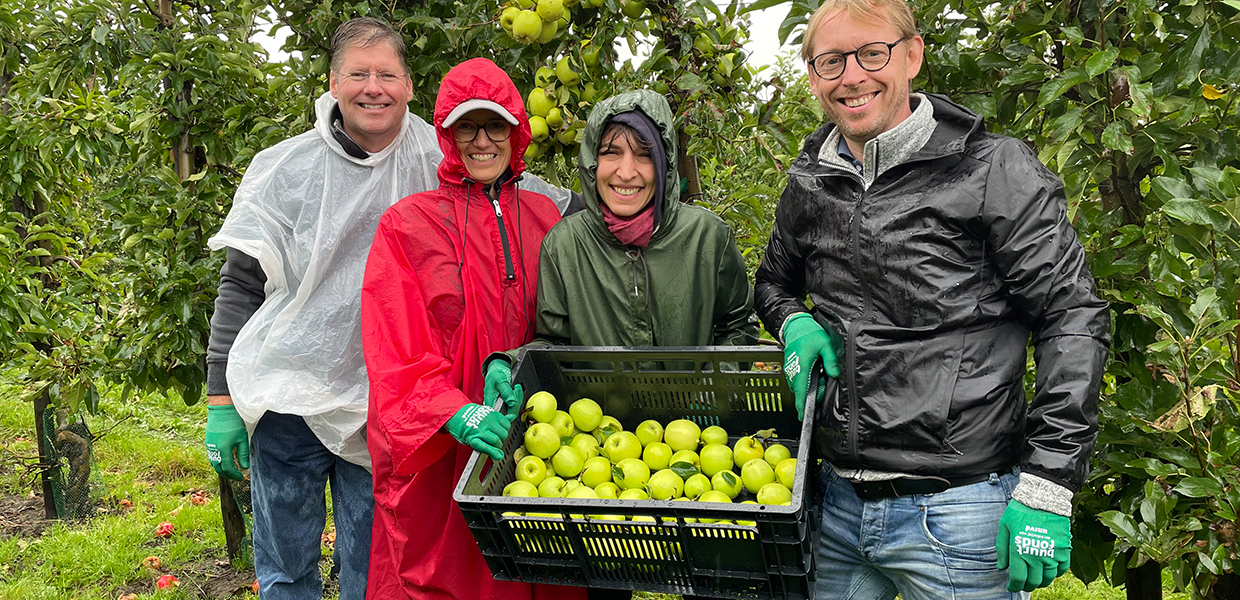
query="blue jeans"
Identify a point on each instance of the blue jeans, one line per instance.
(289, 470)
(923, 547)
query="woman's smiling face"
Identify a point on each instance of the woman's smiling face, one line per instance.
(625, 172)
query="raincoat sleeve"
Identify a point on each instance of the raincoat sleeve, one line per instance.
(552, 326)
(734, 316)
(779, 288)
(1044, 269)
(412, 394)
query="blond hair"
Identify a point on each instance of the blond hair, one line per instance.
(866, 12)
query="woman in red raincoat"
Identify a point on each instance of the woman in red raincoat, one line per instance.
(450, 278)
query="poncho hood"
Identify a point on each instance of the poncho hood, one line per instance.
(480, 79)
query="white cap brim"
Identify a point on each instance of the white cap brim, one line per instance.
(477, 104)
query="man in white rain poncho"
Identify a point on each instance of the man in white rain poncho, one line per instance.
(286, 379)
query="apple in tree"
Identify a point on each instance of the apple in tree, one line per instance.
(714, 435)
(541, 407)
(631, 473)
(657, 456)
(682, 434)
(586, 413)
(649, 432)
(531, 469)
(747, 449)
(716, 458)
(665, 485)
(568, 461)
(786, 471)
(775, 454)
(727, 482)
(542, 440)
(551, 487)
(621, 446)
(755, 474)
(774, 493)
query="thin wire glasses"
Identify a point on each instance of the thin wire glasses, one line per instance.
(497, 130)
(871, 57)
(364, 76)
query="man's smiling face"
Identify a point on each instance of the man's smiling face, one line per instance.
(863, 103)
(373, 111)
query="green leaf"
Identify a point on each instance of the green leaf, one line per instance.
(1199, 487)
(1059, 85)
(99, 33)
(1188, 210)
(1101, 61)
(684, 469)
(1119, 523)
(1207, 301)
(1153, 466)
(1116, 138)
(729, 477)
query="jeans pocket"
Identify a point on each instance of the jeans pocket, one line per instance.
(964, 532)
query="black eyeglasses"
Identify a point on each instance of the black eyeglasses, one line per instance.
(871, 57)
(497, 130)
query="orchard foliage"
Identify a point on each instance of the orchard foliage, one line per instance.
(1133, 103)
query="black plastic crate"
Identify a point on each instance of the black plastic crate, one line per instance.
(774, 558)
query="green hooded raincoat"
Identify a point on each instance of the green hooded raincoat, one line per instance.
(687, 288)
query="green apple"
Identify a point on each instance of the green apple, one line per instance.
(531, 152)
(786, 472)
(775, 454)
(727, 482)
(550, 10)
(749, 523)
(526, 27)
(589, 53)
(539, 130)
(621, 446)
(507, 17)
(572, 484)
(597, 3)
(586, 444)
(687, 456)
(673, 519)
(524, 4)
(747, 449)
(665, 485)
(551, 487)
(531, 469)
(682, 434)
(542, 77)
(696, 485)
(582, 491)
(540, 407)
(657, 456)
(716, 458)
(630, 473)
(714, 435)
(634, 494)
(642, 519)
(567, 137)
(755, 474)
(541, 440)
(549, 465)
(595, 471)
(606, 428)
(704, 44)
(539, 104)
(649, 432)
(586, 413)
(588, 92)
(520, 453)
(607, 489)
(564, 72)
(633, 9)
(548, 31)
(521, 489)
(715, 496)
(563, 424)
(568, 461)
(774, 493)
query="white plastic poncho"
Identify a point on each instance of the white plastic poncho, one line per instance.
(308, 212)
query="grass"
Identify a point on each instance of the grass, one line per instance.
(151, 455)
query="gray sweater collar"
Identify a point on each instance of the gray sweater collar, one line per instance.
(890, 148)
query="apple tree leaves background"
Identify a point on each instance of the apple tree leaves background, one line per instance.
(127, 126)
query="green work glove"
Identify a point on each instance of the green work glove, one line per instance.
(805, 345)
(499, 384)
(226, 432)
(1035, 546)
(481, 428)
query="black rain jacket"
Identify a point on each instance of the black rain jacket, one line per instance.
(932, 281)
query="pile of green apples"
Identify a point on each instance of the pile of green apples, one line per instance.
(583, 453)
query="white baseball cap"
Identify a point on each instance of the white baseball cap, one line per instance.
(477, 104)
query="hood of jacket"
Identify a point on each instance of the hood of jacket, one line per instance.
(479, 79)
(652, 105)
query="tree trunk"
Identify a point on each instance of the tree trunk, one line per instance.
(688, 169)
(234, 521)
(49, 500)
(1143, 582)
(1226, 587)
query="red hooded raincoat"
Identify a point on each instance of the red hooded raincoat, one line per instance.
(443, 289)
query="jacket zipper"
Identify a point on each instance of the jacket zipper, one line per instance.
(509, 273)
(851, 342)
